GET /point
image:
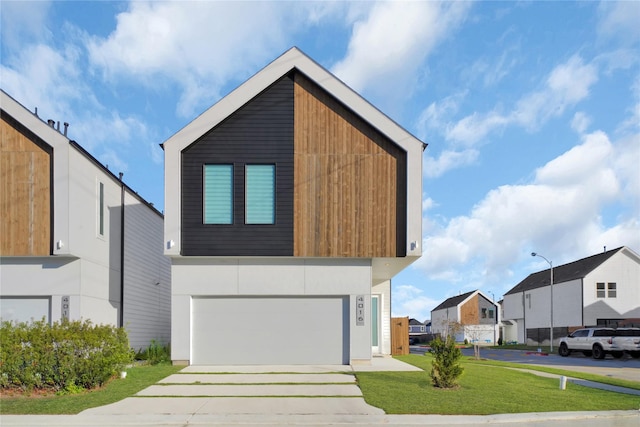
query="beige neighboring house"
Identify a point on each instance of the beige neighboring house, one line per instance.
(600, 290)
(471, 316)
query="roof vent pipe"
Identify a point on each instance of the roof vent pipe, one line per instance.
(51, 122)
(58, 128)
(66, 126)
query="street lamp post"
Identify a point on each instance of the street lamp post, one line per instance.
(551, 283)
(495, 316)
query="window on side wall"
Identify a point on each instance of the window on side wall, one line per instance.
(218, 194)
(484, 313)
(100, 209)
(490, 314)
(260, 195)
(600, 293)
(611, 290)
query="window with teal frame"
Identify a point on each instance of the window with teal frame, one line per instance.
(218, 194)
(260, 195)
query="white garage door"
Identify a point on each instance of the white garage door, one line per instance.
(270, 331)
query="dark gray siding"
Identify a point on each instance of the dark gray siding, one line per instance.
(261, 132)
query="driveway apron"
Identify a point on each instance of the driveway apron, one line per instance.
(249, 390)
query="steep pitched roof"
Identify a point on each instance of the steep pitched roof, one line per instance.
(564, 273)
(413, 321)
(294, 58)
(453, 301)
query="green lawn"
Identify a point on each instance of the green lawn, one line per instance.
(137, 379)
(482, 390)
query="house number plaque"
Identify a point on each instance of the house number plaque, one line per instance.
(360, 310)
(65, 307)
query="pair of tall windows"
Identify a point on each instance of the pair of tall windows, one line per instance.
(259, 194)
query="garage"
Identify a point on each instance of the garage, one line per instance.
(270, 330)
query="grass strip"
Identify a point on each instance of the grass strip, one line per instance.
(138, 378)
(482, 390)
(567, 373)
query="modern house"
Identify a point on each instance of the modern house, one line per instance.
(416, 327)
(75, 241)
(290, 204)
(470, 316)
(603, 289)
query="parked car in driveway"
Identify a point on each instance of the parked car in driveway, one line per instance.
(596, 342)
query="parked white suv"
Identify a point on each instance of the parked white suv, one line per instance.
(596, 342)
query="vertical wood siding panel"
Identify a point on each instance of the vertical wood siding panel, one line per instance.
(357, 198)
(25, 199)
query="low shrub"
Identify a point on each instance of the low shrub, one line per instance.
(62, 356)
(445, 368)
(155, 353)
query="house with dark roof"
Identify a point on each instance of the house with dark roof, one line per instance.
(603, 289)
(76, 242)
(472, 316)
(293, 202)
(416, 327)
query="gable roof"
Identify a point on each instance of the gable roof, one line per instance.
(564, 273)
(294, 58)
(454, 301)
(413, 321)
(13, 111)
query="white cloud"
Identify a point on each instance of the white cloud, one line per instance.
(409, 300)
(448, 160)
(23, 21)
(580, 122)
(475, 127)
(566, 85)
(619, 20)
(560, 210)
(200, 46)
(393, 41)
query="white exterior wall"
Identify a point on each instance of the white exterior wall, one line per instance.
(441, 319)
(384, 290)
(623, 268)
(268, 277)
(85, 265)
(147, 277)
(567, 308)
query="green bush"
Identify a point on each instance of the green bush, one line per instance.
(62, 356)
(445, 368)
(155, 353)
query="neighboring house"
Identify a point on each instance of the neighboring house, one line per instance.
(290, 204)
(416, 327)
(471, 316)
(602, 289)
(64, 253)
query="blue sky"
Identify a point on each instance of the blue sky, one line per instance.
(531, 109)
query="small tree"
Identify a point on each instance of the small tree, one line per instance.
(445, 368)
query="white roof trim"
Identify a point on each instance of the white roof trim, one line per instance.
(293, 58)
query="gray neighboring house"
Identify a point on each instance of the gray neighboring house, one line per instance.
(602, 289)
(76, 241)
(290, 203)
